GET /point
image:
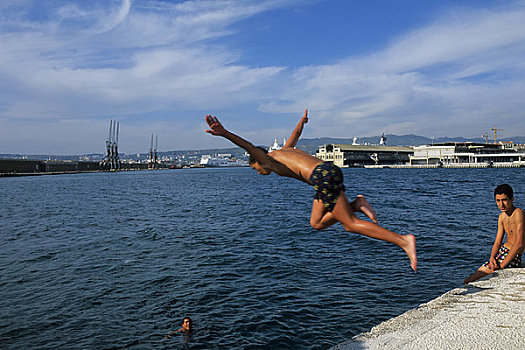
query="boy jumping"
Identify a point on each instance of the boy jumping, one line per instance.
(510, 221)
(330, 204)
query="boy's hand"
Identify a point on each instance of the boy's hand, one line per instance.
(494, 264)
(216, 127)
(304, 119)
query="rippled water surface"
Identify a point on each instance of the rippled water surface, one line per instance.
(115, 260)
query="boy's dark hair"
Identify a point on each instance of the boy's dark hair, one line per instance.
(504, 189)
(253, 160)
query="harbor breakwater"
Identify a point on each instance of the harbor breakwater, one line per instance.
(486, 314)
(25, 167)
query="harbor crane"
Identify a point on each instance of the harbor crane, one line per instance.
(495, 132)
(153, 160)
(111, 160)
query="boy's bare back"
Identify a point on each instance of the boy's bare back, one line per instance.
(300, 163)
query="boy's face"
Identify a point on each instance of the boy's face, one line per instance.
(504, 202)
(260, 169)
(186, 324)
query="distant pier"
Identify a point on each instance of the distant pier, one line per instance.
(451, 166)
(29, 167)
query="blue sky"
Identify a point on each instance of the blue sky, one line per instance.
(432, 68)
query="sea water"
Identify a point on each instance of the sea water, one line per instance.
(116, 260)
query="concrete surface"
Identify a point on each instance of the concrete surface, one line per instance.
(486, 314)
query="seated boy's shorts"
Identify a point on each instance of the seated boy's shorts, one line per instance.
(327, 180)
(502, 254)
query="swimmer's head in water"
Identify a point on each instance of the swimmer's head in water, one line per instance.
(187, 324)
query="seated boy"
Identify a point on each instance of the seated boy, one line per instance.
(330, 204)
(510, 221)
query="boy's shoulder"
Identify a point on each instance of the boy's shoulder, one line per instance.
(516, 216)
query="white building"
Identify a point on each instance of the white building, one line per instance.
(458, 153)
(362, 155)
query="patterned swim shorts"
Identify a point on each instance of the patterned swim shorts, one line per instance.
(502, 254)
(327, 180)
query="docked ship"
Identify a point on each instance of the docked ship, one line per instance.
(221, 160)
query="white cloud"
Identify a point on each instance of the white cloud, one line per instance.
(464, 72)
(91, 61)
(95, 61)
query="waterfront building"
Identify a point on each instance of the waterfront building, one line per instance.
(468, 153)
(276, 145)
(355, 155)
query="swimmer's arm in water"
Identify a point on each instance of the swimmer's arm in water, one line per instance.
(170, 334)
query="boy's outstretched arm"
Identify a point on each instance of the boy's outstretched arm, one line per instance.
(296, 133)
(217, 129)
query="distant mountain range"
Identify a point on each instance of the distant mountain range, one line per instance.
(308, 145)
(391, 140)
(403, 140)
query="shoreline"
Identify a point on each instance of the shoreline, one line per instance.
(450, 166)
(486, 314)
(43, 173)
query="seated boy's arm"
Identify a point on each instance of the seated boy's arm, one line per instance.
(217, 129)
(518, 239)
(497, 243)
(296, 133)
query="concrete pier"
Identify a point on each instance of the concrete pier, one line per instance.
(486, 314)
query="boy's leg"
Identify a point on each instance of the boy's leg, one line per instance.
(361, 205)
(343, 213)
(480, 273)
(320, 217)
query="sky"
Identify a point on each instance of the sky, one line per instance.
(427, 67)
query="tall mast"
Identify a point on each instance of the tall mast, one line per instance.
(151, 153)
(156, 144)
(108, 142)
(117, 160)
(110, 124)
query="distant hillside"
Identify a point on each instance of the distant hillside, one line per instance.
(402, 140)
(311, 145)
(308, 145)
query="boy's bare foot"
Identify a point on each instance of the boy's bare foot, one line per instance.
(361, 204)
(410, 249)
